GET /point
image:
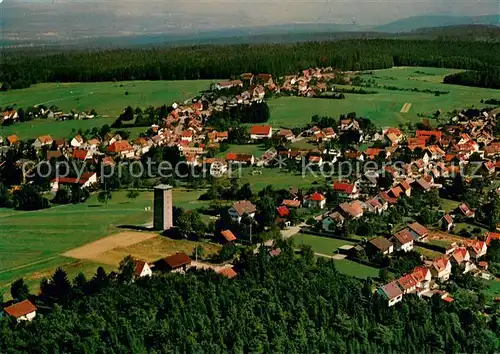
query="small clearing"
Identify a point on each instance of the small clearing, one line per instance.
(406, 108)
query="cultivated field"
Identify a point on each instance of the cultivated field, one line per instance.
(107, 98)
(385, 107)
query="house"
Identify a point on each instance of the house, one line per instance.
(187, 135)
(12, 140)
(21, 311)
(217, 137)
(329, 133)
(240, 158)
(44, 140)
(264, 79)
(285, 134)
(85, 181)
(224, 85)
(283, 211)
(346, 190)
(403, 240)
(353, 210)
(76, 142)
(381, 244)
(291, 203)
(422, 184)
(247, 78)
(142, 269)
(375, 206)
(391, 292)
(446, 222)
(122, 148)
(314, 201)
(227, 236)
(423, 277)
(331, 221)
(178, 262)
(465, 211)
(428, 134)
(408, 283)
(10, 115)
(53, 154)
(240, 208)
(227, 272)
(417, 231)
(477, 249)
(461, 258)
(393, 136)
(491, 236)
(81, 155)
(441, 268)
(261, 132)
(258, 93)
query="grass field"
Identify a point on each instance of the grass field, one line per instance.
(319, 244)
(277, 178)
(448, 205)
(32, 242)
(354, 269)
(107, 98)
(384, 108)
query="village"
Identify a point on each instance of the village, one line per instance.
(399, 167)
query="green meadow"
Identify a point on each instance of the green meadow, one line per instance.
(107, 98)
(384, 107)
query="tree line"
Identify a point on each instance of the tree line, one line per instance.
(20, 69)
(484, 78)
(289, 303)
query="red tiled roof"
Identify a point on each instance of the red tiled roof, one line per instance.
(227, 272)
(177, 260)
(187, 134)
(231, 156)
(419, 273)
(139, 267)
(403, 236)
(490, 236)
(291, 203)
(428, 134)
(418, 229)
(45, 139)
(440, 264)
(228, 235)
(80, 154)
(448, 218)
(260, 130)
(20, 309)
(343, 187)
(407, 282)
(283, 211)
(120, 146)
(316, 196)
(244, 207)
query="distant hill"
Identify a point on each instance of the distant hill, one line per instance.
(462, 32)
(427, 21)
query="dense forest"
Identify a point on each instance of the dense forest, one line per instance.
(484, 78)
(284, 304)
(215, 62)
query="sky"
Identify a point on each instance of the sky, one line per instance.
(78, 18)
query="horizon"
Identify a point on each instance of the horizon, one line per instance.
(60, 20)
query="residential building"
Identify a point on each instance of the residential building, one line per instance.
(178, 262)
(21, 311)
(258, 132)
(314, 201)
(227, 236)
(76, 142)
(142, 269)
(441, 268)
(408, 283)
(246, 159)
(381, 244)
(346, 190)
(391, 292)
(477, 249)
(84, 181)
(423, 277)
(44, 140)
(240, 208)
(331, 221)
(417, 231)
(353, 210)
(461, 258)
(466, 211)
(446, 222)
(403, 240)
(122, 148)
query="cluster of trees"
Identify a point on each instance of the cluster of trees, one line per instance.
(289, 303)
(484, 78)
(230, 117)
(212, 62)
(491, 101)
(27, 197)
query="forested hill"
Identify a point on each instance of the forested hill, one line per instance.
(216, 62)
(283, 304)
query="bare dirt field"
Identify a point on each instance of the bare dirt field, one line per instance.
(150, 249)
(446, 238)
(406, 108)
(122, 239)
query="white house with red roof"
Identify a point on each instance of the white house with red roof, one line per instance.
(461, 258)
(446, 222)
(403, 240)
(258, 132)
(441, 268)
(142, 269)
(346, 190)
(408, 283)
(314, 201)
(477, 249)
(85, 181)
(77, 141)
(122, 148)
(21, 311)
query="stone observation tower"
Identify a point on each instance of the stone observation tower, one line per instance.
(163, 207)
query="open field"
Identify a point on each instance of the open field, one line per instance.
(384, 107)
(354, 269)
(278, 178)
(469, 228)
(427, 252)
(107, 98)
(152, 249)
(320, 244)
(35, 241)
(448, 205)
